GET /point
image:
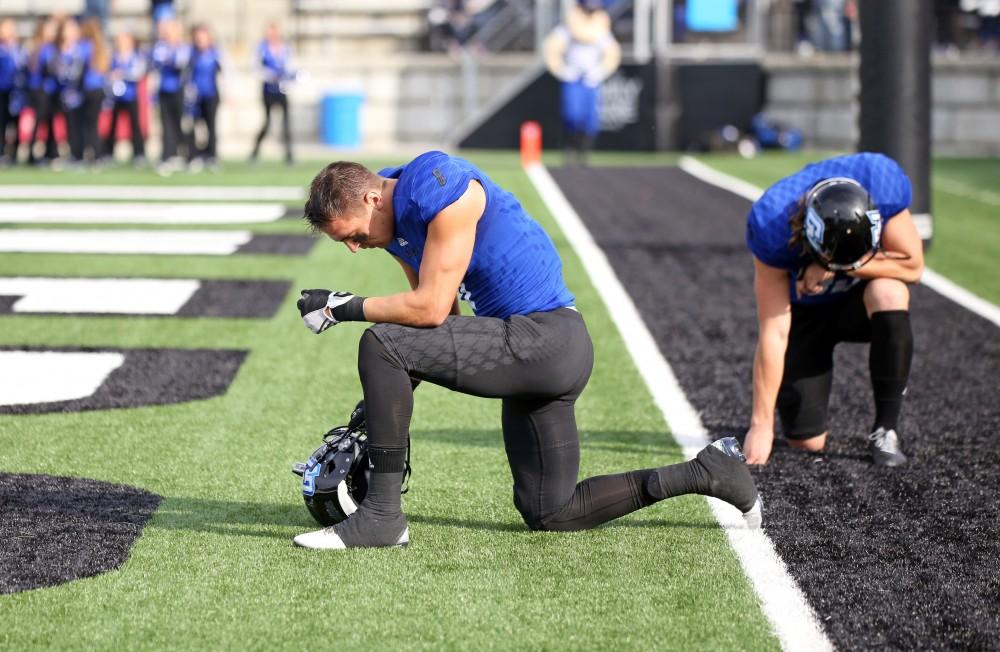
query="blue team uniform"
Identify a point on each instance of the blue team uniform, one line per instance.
(768, 228)
(132, 68)
(93, 80)
(205, 67)
(171, 62)
(275, 67)
(11, 62)
(514, 270)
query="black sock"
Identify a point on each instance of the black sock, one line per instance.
(889, 364)
(379, 520)
(712, 473)
(388, 466)
(689, 477)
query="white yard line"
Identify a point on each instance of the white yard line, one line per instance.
(154, 193)
(783, 603)
(136, 213)
(961, 189)
(931, 279)
(46, 376)
(128, 296)
(212, 243)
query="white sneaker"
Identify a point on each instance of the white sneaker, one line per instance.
(328, 539)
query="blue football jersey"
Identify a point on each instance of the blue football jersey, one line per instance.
(514, 270)
(769, 230)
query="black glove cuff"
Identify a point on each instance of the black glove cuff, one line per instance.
(353, 310)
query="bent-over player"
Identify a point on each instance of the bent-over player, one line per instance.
(455, 232)
(834, 247)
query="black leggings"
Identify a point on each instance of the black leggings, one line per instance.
(44, 105)
(208, 107)
(171, 115)
(538, 364)
(8, 121)
(270, 101)
(131, 108)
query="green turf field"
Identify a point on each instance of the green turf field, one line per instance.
(215, 567)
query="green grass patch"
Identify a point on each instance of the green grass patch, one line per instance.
(215, 567)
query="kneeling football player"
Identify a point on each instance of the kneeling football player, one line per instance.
(455, 232)
(834, 248)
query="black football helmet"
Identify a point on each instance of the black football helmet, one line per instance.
(843, 227)
(335, 478)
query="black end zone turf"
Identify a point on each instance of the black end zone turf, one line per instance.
(889, 558)
(54, 530)
(147, 377)
(269, 243)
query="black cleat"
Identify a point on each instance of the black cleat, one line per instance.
(731, 480)
(884, 447)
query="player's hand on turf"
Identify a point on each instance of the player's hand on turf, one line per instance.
(757, 445)
(813, 280)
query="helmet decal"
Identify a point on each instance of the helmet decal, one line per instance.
(875, 217)
(309, 477)
(814, 229)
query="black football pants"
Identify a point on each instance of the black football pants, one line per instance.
(538, 364)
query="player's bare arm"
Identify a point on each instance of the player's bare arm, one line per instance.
(414, 279)
(451, 237)
(774, 319)
(902, 253)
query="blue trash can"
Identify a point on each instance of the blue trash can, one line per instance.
(340, 124)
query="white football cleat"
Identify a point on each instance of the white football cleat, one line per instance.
(328, 539)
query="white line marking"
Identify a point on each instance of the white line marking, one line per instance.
(132, 213)
(213, 243)
(782, 602)
(131, 296)
(961, 296)
(45, 376)
(154, 193)
(961, 189)
(931, 279)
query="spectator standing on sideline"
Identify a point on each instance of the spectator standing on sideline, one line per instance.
(206, 64)
(170, 57)
(11, 89)
(274, 58)
(581, 54)
(42, 90)
(68, 67)
(128, 67)
(98, 61)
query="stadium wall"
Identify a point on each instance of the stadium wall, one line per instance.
(820, 98)
(419, 100)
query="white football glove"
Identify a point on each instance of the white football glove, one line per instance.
(316, 308)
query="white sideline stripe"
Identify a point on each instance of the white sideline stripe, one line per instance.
(133, 296)
(154, 193)
(954, 187)
(961, 296)
(212, 243)
(44, 376)
(133, 213)
(931, 279)
(794, 622)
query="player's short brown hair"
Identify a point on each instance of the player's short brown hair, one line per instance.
(335, 189)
